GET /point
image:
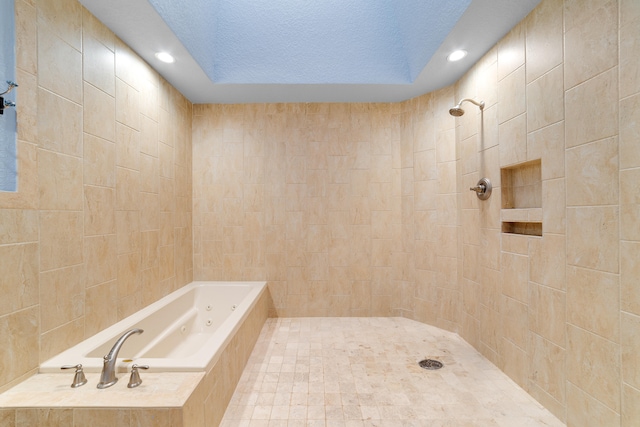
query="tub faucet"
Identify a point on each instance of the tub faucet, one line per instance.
(108, 375)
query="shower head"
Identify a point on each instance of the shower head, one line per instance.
(457, 111)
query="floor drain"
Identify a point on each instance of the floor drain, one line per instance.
(430, 364)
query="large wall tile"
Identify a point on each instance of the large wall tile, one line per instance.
(127, 105)
(127, 147)
(547, 260)
(99, 113)
(512, 95)
(60, 179)
(629, 273)
(629, 132)
(629, 205)
(512, 136)
(629, 49)
(59, 124)
(18, 226)
(630, 330)
(20, 280)
(99, 210)
(546, 366)
(591, 109)
(62, 296)
(545, 100)
(59, 66)
(547, 313)
(593, 365)
(630, 406)
(592, 173)
(544, 40)
(19, 335)
(515, 275)
(585, 411)
(64, 18)
(99, 162)
(61, 338)
(100, 259)
(26, 37)
(594, 245)
(99, 312)
(593, 301)
(98, 65)
(60, 239)
(591, 39)
(511, 52)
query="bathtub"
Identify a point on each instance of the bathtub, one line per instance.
(185, 331)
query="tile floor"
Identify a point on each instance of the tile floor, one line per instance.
(363, 372)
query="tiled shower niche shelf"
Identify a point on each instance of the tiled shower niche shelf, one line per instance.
(521, 215)
(525, 228)
(522, 198)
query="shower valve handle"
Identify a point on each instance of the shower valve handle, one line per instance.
(482, 189)
(479, 188)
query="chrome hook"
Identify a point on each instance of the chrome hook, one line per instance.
(12, 85)
(5, 103)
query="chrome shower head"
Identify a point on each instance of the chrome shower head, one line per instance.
(457, 111)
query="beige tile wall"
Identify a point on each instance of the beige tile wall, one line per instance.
(339, 206)
(301, 195)
(101, 224)
(559, 314)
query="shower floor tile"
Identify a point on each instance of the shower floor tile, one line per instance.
(363, 372)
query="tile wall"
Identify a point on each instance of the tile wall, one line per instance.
(101, 224)
(558, 313)
(364, 209)
(318, 199)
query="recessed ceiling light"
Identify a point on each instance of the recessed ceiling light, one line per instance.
(456, 55)
(165, 57)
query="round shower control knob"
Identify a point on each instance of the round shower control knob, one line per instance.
(482, 189)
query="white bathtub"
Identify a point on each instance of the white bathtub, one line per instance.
(184, 331)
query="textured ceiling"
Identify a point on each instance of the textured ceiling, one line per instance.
(312, 42)
(236, 51)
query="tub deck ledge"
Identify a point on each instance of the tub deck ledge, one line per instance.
(166, 389)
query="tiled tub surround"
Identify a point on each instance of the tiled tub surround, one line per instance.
(184, 331)
(363, 372)
(172, 399)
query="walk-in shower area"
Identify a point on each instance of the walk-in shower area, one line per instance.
(364, 372)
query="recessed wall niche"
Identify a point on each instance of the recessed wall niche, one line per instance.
(522, 198)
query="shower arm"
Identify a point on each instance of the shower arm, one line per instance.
(479, 104)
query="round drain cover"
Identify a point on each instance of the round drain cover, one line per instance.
(430, 364)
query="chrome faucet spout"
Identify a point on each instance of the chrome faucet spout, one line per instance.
(108, 375)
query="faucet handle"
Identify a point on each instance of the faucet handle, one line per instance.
(78, 379)
(135, 379)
